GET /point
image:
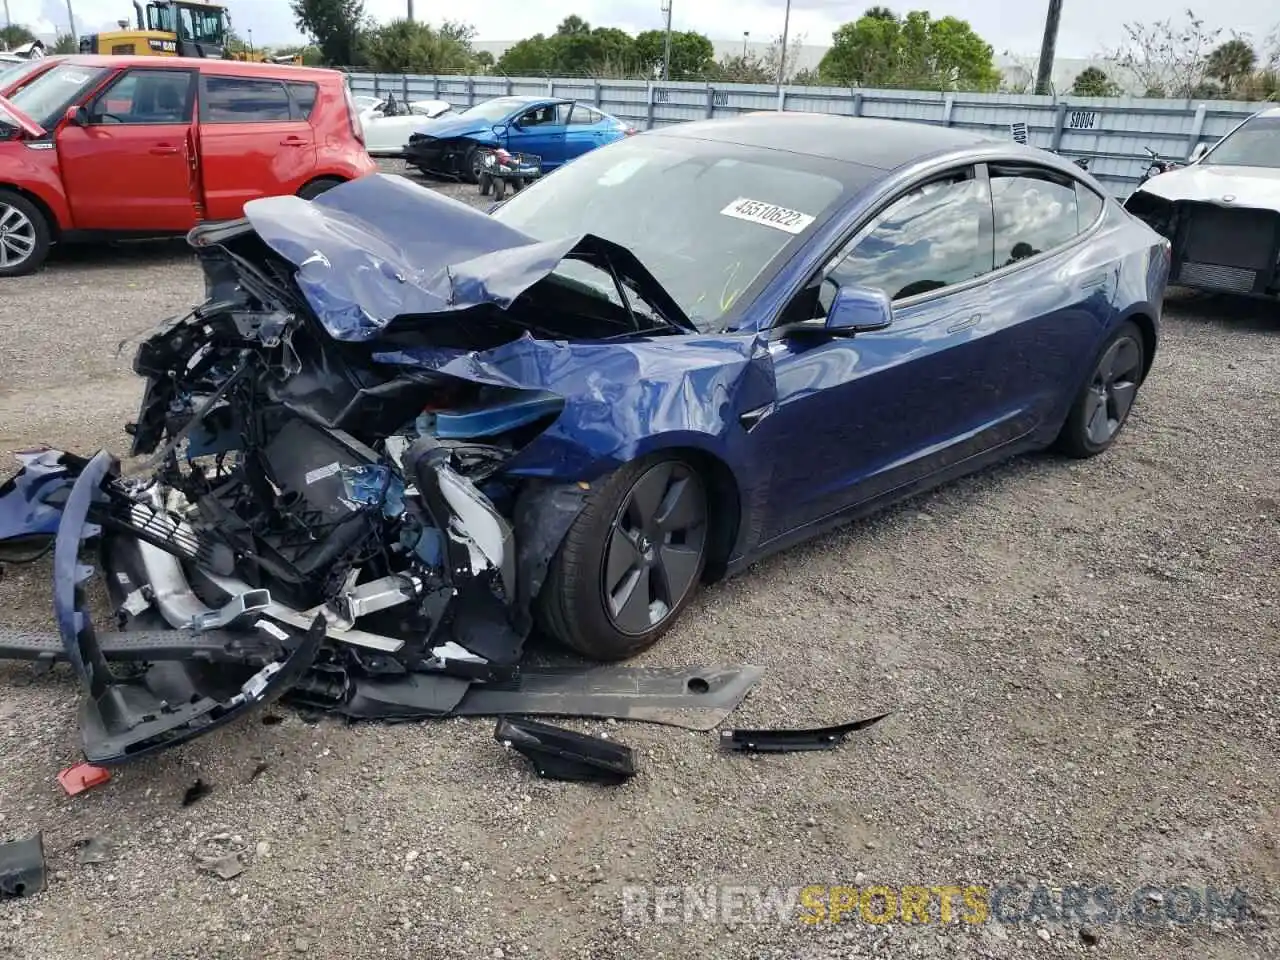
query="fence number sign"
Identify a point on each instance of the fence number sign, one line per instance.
(1082, 119)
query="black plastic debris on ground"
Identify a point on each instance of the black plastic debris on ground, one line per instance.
(559, 754)
(22, 872)
(195, 792)
(789, 741)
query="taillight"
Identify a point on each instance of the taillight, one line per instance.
(353, 114)
(629, 131)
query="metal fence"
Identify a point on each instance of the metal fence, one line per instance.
(1110, 132)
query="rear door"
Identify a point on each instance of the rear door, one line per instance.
(588, 128)
(132, 168)
(255, 141)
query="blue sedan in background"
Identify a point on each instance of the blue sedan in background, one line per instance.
(554, 129)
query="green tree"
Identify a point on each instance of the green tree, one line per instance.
(1232, 62)
(880, 49)
(311, 55)
(692, 54)
(336, 26)
(404, 46)
(532, 55)
(748, 69)
(1094, 82)
(65, 43)
(15, 35)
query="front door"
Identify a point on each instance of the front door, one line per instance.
(255, 141)
(541, 131)
(133, 167)
(886, 409)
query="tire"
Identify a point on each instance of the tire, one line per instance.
(25, 235)
(499, 189)
(317, 187)
(1102, 407)
(486, 184)
(471, 164)
(623, 573)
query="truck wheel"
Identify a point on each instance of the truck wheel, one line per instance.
(472, 164)
(25, 236)
(486, 184)
(499, 188)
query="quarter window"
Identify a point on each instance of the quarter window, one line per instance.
(1088, 206)
(583, 116)
(236, 100)
(1034, 211)
(304, 98)
(936, 236)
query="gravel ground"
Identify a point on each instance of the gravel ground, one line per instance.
(1080, 657)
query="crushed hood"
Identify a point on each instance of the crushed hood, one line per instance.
(457, 125)
(1207, 183)
(380, 248)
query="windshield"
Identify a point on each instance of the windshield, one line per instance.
(705, 218)
(12, 73)
(494, 109)
(47, 97)
(1256, 144)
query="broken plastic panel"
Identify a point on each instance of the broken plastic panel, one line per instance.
(559, 754)
(789, 741)
(22, 871)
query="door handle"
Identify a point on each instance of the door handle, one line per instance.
(164, 150)
(965, 324)
(293, 142)
(1097, 280)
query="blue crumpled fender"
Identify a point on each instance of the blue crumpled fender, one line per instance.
(621, 399)
(25, 512)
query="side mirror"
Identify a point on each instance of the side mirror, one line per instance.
(500, 129)
(1200, 150)
(858, 310)
(77, 116)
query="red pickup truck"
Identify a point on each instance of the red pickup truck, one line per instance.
(102, 147)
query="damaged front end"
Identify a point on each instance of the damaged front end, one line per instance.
(321, 501)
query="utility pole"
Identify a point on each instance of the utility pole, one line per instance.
(666, 50)
(1048, 46)
(71, 18)
(745, 35)
(782, 57)
(411, 11)
(7, 21)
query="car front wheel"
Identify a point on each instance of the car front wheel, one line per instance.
(1102, 408)
(630, 562)
(25, 236)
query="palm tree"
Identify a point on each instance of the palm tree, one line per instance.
(1231, 62)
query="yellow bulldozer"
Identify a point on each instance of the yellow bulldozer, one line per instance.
(176, 28)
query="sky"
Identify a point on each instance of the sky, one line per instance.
(1088, 27)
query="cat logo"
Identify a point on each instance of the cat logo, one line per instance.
(164, 46)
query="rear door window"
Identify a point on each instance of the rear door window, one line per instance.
(241, 100)
(1035, 211)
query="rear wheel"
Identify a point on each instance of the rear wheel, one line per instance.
(631, 561)
(1102, 408)
(317, 187)
(499, 188)
(25, 235)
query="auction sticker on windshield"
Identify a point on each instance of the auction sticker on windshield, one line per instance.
(769, 214)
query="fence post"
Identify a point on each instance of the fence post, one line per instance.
(510, 86)
(711, 101)
(404, 87)
(782, 99)
(857, 105)
(1197, 127)
(377, 86)
(648, 120)
(435, 87)
(551, 87)
(471, 92)
(947, 106)
(599, 98)
(1059, 125)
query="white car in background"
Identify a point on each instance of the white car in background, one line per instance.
(388, 122)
